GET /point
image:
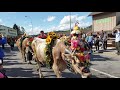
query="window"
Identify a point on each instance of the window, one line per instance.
(105, 20)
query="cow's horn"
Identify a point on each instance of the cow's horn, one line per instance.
(67, 51)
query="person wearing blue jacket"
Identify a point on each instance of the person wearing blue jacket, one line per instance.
(89, 40)
(2, 41)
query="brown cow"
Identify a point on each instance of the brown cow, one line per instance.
(59, 55)
(24, 49)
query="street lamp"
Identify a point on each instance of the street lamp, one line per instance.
(70, 22)
(31, 21)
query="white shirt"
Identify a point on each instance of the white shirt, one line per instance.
(117, 37)
(105, 37)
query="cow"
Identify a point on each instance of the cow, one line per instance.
(24, 49)
(59, 56)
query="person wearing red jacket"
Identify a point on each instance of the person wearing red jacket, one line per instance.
(42, 35)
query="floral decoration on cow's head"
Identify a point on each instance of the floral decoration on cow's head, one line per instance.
(51, 36)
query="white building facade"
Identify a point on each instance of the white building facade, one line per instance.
(7, 31)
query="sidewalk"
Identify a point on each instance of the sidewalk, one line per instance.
(109, 53)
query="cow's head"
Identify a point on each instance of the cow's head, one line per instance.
(77, 65)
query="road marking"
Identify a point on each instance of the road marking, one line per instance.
(104, 73)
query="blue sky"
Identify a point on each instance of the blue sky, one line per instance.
(47, 21)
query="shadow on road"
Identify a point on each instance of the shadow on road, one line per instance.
(10, 55)
(6, 63)
(71, 75)
(93, 76)
(20, 73)
(100, 58)
(11, 59)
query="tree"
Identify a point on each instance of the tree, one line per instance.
(22, 29)
(16, 27)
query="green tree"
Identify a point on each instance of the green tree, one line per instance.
(22, 29)
(16, 27)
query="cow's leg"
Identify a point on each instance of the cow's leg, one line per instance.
(56, 70)
(23, 56)
(28, 55)
(40, 72)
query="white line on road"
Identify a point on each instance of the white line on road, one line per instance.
(104, 73)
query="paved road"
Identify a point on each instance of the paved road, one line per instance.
(107, 64)
(104, 65)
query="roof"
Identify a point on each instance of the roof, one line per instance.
(117, 27)
(95, 13)
(6, 26)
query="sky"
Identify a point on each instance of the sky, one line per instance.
(47, 21)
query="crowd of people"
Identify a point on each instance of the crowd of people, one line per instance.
(97, 39)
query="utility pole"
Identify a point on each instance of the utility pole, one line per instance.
(70, 22)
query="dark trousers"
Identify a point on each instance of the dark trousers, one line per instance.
(3, 47)
(117, 44)
(90, 45)
(12, 46)
(97, 46)
(105, 45)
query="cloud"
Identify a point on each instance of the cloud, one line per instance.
(30, 25)
(35, 31)
(51, 18)
(65, 22)
(1, 22)
(66, 19)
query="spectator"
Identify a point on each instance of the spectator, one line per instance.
(11, 42)
(102, 34)
(3, 45)
(96, 41)
(89, 40)
(2, 41)
(105, 36)
(83, 35)
(101, 38)
(117, 40)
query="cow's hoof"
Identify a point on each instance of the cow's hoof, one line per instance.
(84, 76)
(42, 76)
(89, 76)
(38, 69)
(29, 63)
(24, 61)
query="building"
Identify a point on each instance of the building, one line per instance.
(105, 21)
(7, 31)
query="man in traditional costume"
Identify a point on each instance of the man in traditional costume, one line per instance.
(42, 35)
